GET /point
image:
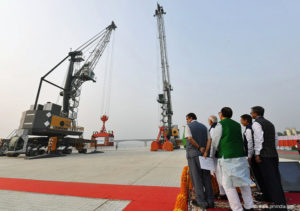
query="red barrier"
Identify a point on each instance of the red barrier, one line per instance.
(288, 141)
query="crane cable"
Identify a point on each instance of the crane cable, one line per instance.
(90, 41)
(110, 75)
(85, 47)
(104, 81)
(107, 79)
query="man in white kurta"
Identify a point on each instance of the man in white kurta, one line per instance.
(213, 121)
(232, 167)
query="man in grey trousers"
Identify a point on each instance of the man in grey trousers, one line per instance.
(198, 143)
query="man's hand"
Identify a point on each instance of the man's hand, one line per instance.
(205, 155)
(214, 174)
(257, 159)
(202, 149)
(249, 161)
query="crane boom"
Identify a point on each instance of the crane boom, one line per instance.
(76, 77)
(84, 73)
(165, 98)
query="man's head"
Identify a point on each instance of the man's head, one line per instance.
(190, 117)
(212, 119)
(225, 113)
(257, 111)
(246, 119)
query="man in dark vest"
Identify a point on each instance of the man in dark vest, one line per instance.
(198, 144)
(232, 164)
(212, 121)
(266, 158)
(246, 121)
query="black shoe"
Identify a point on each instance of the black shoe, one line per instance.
(221, 197)
(251, 209)
(195, 203)
(260, 198)
(212, 205)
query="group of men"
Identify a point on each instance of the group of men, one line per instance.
(236, 154)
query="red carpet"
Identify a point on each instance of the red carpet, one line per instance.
(144, 198)
(292, 198)
(141, 197)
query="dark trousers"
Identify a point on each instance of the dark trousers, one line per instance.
(257, 175)
(268, 178)
(202, 182)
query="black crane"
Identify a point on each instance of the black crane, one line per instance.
(48, 127)
(72, 89)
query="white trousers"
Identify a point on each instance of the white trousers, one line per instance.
(221, 189)
(218, 175)
(234, 200)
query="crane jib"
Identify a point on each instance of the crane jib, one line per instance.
(77, 76)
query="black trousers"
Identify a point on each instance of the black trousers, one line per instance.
(268, 178)
(257, 175)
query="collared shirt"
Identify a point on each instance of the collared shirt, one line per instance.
(212, 126)
(249, 138)
(216, 136)
(189, 134)
(188, 131)
(212, 149)
(259, 137)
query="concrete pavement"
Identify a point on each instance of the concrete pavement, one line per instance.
(132, 166)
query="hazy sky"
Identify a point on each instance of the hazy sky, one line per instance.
(221, 53)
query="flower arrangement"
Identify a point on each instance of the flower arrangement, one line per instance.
(186, 185)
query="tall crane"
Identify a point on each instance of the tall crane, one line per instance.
(167, 130)
(165, 98)
(47, 127)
